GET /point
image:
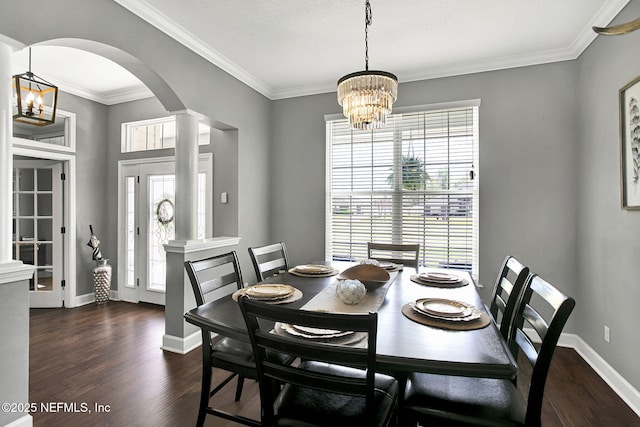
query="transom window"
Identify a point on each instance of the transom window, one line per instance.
(414, 181)
(156, 134)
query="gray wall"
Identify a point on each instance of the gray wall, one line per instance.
(528, 185)
(549, 168)
(199, 86)
(14, 337)
(91, 186)
(609, 238)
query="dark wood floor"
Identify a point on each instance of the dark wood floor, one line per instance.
(110, 355)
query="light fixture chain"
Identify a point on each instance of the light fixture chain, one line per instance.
(367, 22)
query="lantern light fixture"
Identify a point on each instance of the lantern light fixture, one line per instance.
(35, 99)
(367, 96)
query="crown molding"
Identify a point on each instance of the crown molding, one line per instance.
(144, 10)
(165, 24)
(114, 97)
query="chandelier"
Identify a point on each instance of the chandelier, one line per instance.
(35, 99)
(367, 96)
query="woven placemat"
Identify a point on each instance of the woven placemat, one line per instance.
(293, 271)
(416, 278)
(482, 322)
(297, 294)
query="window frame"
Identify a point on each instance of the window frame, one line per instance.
(127, 129)
(473, 104)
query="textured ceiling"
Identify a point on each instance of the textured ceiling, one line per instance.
(285, 48)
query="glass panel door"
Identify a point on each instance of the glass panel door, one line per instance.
(149, 223)
(37, 222)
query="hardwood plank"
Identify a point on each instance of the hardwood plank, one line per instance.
(110, 355)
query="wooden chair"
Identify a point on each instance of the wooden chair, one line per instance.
(408, 254)
(269, 260)
(333, 385)
(506, 293)
(207, 277)
(448, 400)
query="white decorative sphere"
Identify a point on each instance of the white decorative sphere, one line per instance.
(370, 262)
(351, 291)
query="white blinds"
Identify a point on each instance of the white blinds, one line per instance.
(411, 182)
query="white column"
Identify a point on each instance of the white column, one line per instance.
(6, 156)
(186, 175)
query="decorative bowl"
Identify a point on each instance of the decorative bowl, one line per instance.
(370, 275)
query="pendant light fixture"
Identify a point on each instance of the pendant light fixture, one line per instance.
(367, 96)
(35, 99)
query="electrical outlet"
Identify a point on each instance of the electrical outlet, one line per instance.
(607, 336)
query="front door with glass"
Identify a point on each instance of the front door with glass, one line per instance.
(149, 223)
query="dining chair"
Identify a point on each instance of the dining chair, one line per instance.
(506, 293)
(208, 276)
(542, 312)
(269, 260)
(333, 384)
(406, 254)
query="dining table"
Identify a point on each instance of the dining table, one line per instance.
(403, 345)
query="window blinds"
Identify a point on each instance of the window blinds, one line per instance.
(412, 182)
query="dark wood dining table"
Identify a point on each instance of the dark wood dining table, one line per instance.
(403, 345)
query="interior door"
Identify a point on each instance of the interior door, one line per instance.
(149, 190)
(38, 227)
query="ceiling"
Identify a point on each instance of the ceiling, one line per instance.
(286, 48)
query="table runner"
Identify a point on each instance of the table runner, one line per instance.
(327, 300)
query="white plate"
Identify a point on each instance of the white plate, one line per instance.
(314, 269)
(443, 307)
(474, 315)
(315, 333)
(269, 291)
(439, 277)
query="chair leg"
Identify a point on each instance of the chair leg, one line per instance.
(239, 387)
(204, 394)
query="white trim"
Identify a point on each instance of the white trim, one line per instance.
(181, 345)
(188, 246)
(121, 246)
(81, 300)
(24, 421)
(69, 237)
(622, 387)
(15, 271)
(629, 394)
(69, 136)
(146, 11)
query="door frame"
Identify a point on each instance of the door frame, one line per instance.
(121, 275)
(69, 208)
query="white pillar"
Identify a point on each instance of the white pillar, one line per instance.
(6, 155)
(186, 175)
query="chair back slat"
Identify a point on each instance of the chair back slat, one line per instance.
(546, 310)
(210, 274)
(406, 254)
(269, 260)
(260, 319)
(506, 292)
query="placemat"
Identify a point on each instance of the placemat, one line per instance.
(416, 278)
(327, 300)
(297, 294)
(482, 322)
(293, 271)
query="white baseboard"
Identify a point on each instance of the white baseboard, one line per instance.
(181, 345)
(622, 387)
(81, 300)
(25, 421)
